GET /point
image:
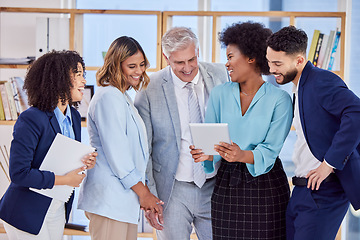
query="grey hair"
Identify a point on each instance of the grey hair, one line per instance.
(178, 38)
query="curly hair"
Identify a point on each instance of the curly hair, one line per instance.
(289, 40)
(111, 73)
(250, 38)
(49, 79)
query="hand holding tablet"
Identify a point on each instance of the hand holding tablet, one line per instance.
(206, 135)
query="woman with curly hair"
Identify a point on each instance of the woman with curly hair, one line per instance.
(115, 190)
(251, 191)
(53, 83)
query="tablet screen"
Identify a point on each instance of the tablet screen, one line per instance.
(206, 135)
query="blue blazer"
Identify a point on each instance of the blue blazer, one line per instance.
(34, 132)
(330, 116)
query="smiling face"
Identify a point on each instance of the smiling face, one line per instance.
(184, 63)
(283, 66)
(133, 68)
(78, 82)
(237, 64)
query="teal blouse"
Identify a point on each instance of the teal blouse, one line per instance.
(262, 129)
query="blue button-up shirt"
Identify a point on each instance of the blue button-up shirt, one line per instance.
(65, 122)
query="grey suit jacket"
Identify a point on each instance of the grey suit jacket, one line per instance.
(158, 107)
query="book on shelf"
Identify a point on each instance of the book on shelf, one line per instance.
(328, 49)
(318, 47)
(323, 49)
(324, 43)
(5, 101)
(19, 94)
(11, 99)
(15, 96)
(337, 56)
(17, 61)
(333, 51)
(2, 113)
(313, 45)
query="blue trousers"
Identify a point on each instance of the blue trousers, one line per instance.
(315, 214)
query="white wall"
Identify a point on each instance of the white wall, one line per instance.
(18, 30)
(6, 133)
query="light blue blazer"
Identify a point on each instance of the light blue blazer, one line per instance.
(118, 133)
(262, 129)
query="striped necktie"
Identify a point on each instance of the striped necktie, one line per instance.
(195, 117)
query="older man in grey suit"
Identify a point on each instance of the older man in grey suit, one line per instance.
(166, 111)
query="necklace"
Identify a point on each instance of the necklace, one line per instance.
(248, 94)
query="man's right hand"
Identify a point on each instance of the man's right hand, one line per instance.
(198, 155)
(155, 219)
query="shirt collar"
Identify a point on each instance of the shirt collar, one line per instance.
(181, 84)
(295, 88)
(60, 116)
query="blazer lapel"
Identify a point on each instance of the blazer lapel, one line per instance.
(53, 122)
(143, 139)
(208, 78)
(76, 121)
(302, 82)
(169, 92)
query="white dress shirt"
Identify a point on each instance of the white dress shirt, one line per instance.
(185, 169)
(303, 159)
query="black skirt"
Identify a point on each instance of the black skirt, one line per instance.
(247, 207)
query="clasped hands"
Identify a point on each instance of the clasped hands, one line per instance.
(150, 204)
(90, 160)
(230, 152)
(153, 213)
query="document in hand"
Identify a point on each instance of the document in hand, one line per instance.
(64, 155)
(206, 135)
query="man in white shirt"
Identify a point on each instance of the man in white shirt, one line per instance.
(326, 152)
(167, 108)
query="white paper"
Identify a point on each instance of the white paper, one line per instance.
(206, 135)
(63, 156)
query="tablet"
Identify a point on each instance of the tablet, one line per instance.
(206, 135)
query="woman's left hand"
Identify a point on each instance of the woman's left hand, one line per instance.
(90, 160)
(230, 152)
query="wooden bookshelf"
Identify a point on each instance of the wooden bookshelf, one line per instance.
(14, 66)
(164, 22)
(293, 16)
(73, 14)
